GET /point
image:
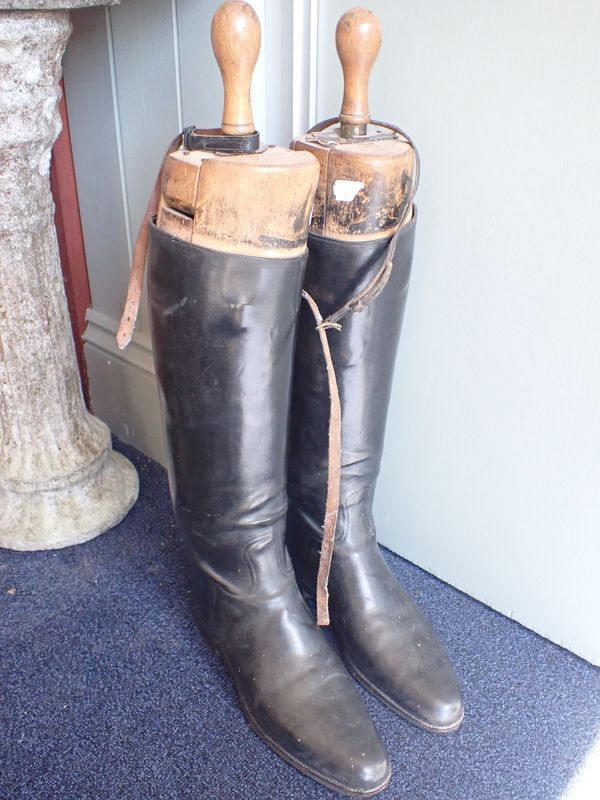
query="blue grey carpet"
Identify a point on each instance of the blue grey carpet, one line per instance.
(108, 692)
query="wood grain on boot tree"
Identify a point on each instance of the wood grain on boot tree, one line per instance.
(235, 37)
(366, 174)
(256, 204)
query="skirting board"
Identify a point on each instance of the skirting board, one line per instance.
(123, 386)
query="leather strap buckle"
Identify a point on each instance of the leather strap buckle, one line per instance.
(214, 139)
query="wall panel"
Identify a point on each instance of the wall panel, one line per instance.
(88, 88)
(145, 58)
(201, 86)
(492, 463)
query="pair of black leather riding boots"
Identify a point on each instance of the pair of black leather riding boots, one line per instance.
(246, 406)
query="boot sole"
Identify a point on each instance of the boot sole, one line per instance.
(305, 769)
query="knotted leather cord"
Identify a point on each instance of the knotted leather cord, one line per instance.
(356, 304)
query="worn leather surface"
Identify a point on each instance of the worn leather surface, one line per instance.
(223, 330)
(386, 640)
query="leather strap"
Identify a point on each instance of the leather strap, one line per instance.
(372, 290)
(356, 304)
(334, 468)
(138, 261)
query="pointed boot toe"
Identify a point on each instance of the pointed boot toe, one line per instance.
(371, 773)
(298, 697)
(415, 679)
(347, 749)
(333, 740)
(444, 714)
(391, 647)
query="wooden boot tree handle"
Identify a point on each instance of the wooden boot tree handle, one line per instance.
(357, 39)
(235, 36)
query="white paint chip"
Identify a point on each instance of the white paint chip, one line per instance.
(346, 191)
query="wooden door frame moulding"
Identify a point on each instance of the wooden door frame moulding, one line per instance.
(305, 22)
(70, 238)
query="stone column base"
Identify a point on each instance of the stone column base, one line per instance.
(49, 519)
(60, 481)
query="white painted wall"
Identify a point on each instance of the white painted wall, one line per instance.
(135, 75)
(491, 476)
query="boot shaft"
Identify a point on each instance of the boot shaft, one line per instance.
(223, 330)
(364, 353)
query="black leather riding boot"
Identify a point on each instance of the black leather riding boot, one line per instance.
(223, 329)
(387, 642)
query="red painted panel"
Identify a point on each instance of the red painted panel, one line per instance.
(70, 238)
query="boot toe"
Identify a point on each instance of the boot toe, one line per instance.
(372, 774)
(430, 699)
(434, 709)
(446, 714)
(361, 766)
(335, 742)
(307, 709)
(354, 771)
(407, 667)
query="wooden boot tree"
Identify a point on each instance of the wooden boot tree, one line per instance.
(366, 171)
(254, 204)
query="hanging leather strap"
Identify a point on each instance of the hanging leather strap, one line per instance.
(356, 304)
(138, 261)
(334, 466)
(334, 459)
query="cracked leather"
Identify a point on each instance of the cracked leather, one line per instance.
(223, 331)
(385, 639)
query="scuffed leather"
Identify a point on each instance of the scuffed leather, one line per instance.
(386, 640)
(223, 331)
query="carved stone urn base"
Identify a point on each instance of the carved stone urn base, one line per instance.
(54, 518)
(60, 481)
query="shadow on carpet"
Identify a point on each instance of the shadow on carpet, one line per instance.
(108, 691)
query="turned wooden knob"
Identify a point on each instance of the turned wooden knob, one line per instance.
(357, 39)
(235, 36)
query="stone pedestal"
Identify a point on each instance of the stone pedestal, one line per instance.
(60, 481)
